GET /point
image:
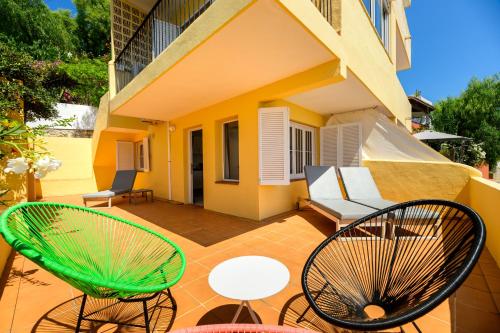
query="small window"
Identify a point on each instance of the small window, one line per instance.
(385, 29)
(141, 155)
(302, 148)
(231, 151)
(379, 13)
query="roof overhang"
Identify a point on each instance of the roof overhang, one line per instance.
(344, 96)
(258, 44)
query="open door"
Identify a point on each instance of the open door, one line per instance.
(196, 166)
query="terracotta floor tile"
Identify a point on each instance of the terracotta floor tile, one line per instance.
(493, 283)
(486, 256)
(470, 319)
(496, 299)
(40, 302)
(477, 282)
(431, 324)
(185, 302)
(490, 269)
(476, 299)
(200, 290)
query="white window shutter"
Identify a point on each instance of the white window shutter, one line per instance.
(329, 146)
(274, 154)
(145, 143)
(340, 145)
(124, 155)
(351, 145)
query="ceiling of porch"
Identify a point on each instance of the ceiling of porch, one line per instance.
(347, 95)
(261, 45)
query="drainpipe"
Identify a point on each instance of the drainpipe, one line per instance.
(169, 162)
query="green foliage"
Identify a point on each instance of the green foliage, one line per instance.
(84, 80)
(93, 26)
(469, 153)
(23, 85)
(35, 29)
(475, 114)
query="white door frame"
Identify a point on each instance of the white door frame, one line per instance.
(190, 161)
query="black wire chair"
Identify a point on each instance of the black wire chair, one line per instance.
(393, 266)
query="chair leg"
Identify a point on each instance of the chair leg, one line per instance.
(174, 305)
(80, 316)
(301, 317)
(416, 327)
(146, 320)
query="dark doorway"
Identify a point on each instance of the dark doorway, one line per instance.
(197, 167)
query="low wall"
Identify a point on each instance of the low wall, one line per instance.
(485, 200)
(4, 254)
(403, 181)
(75, 176)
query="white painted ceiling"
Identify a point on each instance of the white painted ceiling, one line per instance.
(241, 57)
(347, 95)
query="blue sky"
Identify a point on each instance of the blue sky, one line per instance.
(453, 40)
(58, 4)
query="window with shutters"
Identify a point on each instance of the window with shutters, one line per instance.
(274, 146)
(302, 147)
(340, 145)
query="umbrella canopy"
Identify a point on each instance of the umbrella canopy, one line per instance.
(438, 136)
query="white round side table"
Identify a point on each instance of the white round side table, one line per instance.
(248, 278)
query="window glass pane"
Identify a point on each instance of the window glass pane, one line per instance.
(299, 165)
(368, 6)
(385, 24)
(291, 150)
(308, 148)
(231, 151)
(141, 156)
(377, 19)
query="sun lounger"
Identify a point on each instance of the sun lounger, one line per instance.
(361, 188)
(122, 184)
(326, 197)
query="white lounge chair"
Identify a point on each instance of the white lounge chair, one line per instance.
(361, 188)
(326, 197)
(122, 184)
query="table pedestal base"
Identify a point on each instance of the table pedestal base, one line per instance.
(252, 314)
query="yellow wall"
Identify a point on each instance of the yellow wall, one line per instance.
(403, 181)
(485, 200)
(75, 176)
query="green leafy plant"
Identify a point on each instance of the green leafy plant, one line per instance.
(474, 114)
(469, 153)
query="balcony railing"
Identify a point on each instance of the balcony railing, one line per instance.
(163, 24)
(330, 9)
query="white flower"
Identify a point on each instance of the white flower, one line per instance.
(17, 165)
(47, 164)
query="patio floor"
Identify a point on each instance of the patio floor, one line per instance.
(35, 301)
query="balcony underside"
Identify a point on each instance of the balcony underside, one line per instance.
(344, 96)
(258, 44)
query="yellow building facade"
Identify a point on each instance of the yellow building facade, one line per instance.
(229, 60)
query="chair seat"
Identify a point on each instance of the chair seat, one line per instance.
(376, 203)
(102, 255)
(429, 251)
(343, 209)
(104, 194)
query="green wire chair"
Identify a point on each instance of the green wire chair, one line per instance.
(102, 255)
